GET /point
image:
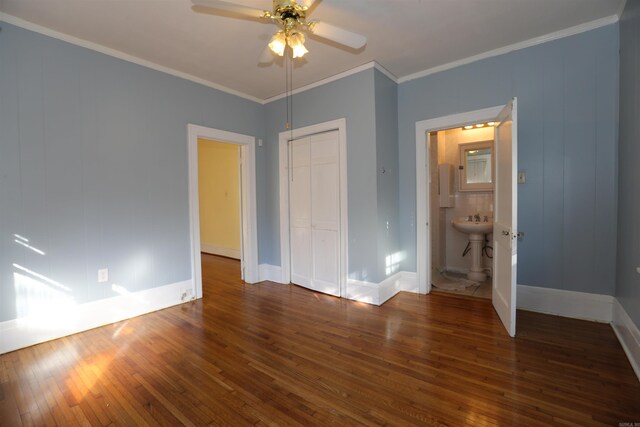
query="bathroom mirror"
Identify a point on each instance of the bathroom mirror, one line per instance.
(476, 166)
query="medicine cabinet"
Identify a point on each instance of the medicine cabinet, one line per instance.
(476, 166)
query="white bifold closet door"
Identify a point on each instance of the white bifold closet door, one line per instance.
(314, 192)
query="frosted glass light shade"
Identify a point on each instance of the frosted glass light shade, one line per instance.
(278, 43)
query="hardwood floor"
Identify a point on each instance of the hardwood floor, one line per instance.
(282, 355)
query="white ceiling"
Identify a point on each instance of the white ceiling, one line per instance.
(404, 36)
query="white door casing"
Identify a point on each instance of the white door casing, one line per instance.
(505, 235)
(327, 227)
(249, 228)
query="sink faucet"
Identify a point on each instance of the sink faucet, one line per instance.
(476, 217)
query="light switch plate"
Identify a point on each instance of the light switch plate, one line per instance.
(522, 177)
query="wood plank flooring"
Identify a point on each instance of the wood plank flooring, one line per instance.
(272, 354)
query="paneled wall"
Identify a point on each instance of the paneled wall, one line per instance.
(628, 279)
(353, 98)
(93, 171)
(388, 228)
(567, 93)
(93, 162)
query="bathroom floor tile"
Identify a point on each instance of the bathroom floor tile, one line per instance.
(454, 284)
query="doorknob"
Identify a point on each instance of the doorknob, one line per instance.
(505, 233)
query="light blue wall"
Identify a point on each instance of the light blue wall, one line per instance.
(388, 221)
(628, 280)
(93, 166)
(352, 98)
(567, 132)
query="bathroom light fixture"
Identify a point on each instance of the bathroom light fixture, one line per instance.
(478, 125)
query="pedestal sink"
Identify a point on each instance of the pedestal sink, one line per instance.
(476, 231)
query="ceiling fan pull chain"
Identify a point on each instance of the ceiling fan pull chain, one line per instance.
(286, 89)
(291, 95)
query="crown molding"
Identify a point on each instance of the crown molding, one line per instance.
(621, 9)
(10, 19)
(587, 26)
(13, 20)
(386, 72)
(335, 77)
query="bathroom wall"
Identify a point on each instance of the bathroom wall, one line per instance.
(567, 93)
(467, 202)
(628, 279)
(437, 240)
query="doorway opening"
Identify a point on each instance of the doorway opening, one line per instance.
(219, 189)
(504, 175)
(461, 201)
(313, 207)
(244, 148)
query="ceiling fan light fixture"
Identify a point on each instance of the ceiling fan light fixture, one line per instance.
(278, 43)
(296, 41)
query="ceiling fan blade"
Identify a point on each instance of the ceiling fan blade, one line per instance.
(338, 35)
(266, 57)
(203, 6)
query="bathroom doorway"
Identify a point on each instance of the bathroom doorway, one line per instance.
(461, 202)
(504, 242)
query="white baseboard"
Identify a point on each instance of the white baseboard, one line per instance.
(378, 293)
(401, 281)
(27, 331)
(628, 335)
(272, 273)
(219, 250)
(363, 291)
(577, 305)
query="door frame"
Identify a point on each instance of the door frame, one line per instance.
(283, 169)
(423, 235)
(249, 223)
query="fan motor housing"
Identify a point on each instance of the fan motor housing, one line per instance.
(289, 9)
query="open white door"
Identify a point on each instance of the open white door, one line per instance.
(505, 235)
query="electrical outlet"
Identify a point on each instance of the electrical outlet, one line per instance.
(103, 275)
(522, 177)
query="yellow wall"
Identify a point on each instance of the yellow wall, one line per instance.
(219, 188)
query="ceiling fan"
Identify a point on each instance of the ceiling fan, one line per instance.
(291, 18)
